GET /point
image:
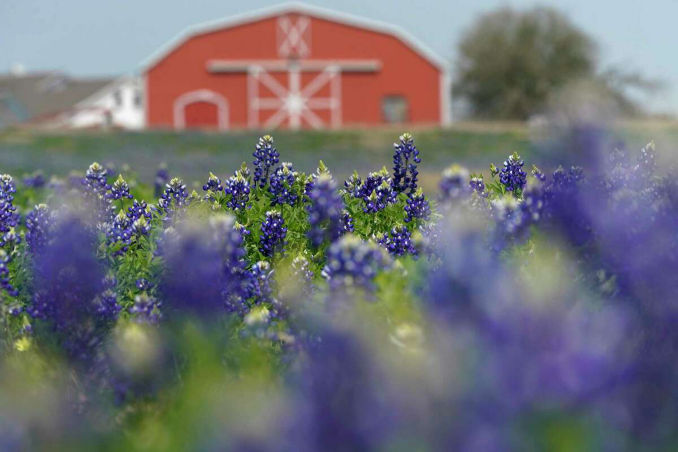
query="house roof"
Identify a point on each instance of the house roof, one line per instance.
(39, 95)
(300, 8)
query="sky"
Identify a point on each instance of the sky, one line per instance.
(110, 37)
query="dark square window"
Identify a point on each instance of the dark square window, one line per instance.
(394, 109)
(117, 98)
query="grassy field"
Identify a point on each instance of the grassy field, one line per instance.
(193, 155)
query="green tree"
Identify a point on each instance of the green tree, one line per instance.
(511, 61)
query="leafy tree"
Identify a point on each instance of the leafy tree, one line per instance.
(511, 61)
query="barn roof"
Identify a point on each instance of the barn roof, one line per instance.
(296, 7)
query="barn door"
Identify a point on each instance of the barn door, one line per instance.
(201, 109)
(295, 98)
(201, 115)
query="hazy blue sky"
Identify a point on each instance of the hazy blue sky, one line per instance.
(90, 37)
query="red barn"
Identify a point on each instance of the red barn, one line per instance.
(294, 66)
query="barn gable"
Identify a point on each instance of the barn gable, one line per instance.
(310, 78)
(292, 8)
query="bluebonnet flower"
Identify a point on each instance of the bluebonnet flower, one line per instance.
(533, 200)
(192, 279)
(539, 174)
(139, 209)
(14, 310)
(130, 226)
(352, 185)
(119, 231)
(213, 184)
(417, 207)
(405, 160)
(454, 183)
(273, 233)
(140, 227)
(398, 241)
(281, 185)
(324, 211)
(631, 241)
(352, 262)
(7, 185)
(10, 239)
(337, 387)
(238, 187)
(266, 157)
(565, 179)
(243, 230)
(513, 217)
(346, 222)
(477, 185)
(311, 179)
(301, 268)
(146, 309)
(174, 196)
(119, 189)
(38, 224)
(377, 192)
(162, 177)
(106, 305)
(8, 216)
(510, 223)
(68, 281)
(371, 183)
(567, 351)
(95, 194)
(382, 196)
(109, 282)
(564, 209)
(205, 271)
(512, 176)
(244, 171)
(5, 283)
(95, 179)
(228, 237)
(35, 180)
(142, 284)
(214, 189)
(259, 288)
(324, 171)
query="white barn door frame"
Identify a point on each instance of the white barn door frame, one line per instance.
(201, 95)
(294, 102)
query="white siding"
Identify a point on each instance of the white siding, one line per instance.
(113, 106)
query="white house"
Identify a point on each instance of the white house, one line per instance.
(119, 104)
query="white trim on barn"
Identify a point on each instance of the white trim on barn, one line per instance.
(445, 98)
(201, 95)
(144, 95)
(345, 65)
(294, 38)
(293, 102)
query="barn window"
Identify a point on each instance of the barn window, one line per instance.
(117, 98)
(394, 109)
(137, 98)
